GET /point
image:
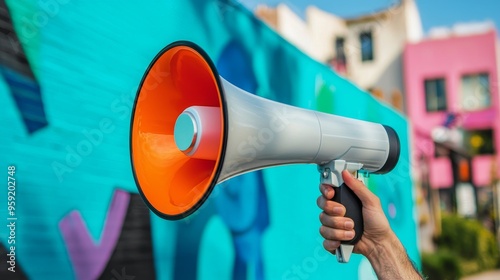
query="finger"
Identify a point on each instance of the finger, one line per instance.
(336, 222)
(327, 191)
(330, 207)
(321, 202)
(336, 234)
(331, 245)
(361, 191)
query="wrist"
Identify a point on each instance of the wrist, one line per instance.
(390, 260)
(385, 249)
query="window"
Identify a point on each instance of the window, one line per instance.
(339, 50)
(435, 95)
(479, 142)
(339, 61)
(366, 42)
(475, 92)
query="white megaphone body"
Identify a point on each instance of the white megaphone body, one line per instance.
(191, 130)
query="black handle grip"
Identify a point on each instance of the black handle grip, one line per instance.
(345, 196)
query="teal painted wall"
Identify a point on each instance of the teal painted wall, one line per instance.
(65, 127)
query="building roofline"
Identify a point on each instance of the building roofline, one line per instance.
(382, 13)
(456, 36)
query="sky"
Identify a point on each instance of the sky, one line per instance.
(433, 13)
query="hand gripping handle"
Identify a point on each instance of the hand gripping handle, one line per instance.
(331, 174)
(345, 196)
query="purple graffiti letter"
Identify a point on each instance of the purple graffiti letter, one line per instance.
(89, 258)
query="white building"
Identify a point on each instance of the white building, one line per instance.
(366, 49)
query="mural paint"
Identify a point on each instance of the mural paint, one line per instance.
(17, 73)
(69, 71)
(88, 258)
(242, 203)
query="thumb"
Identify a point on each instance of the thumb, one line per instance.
(361, 191)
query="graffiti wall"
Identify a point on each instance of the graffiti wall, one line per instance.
(69, 72)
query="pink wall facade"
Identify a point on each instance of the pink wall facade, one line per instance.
(451, 58)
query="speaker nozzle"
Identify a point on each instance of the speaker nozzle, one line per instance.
(197, 132)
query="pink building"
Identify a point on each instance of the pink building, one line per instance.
(455, 76)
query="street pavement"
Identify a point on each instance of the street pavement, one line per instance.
(488, 275)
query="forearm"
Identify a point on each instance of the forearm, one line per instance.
(390, 261)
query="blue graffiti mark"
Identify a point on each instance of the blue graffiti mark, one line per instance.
(187, 247)
(27, 95)
(15, 69)
(242, 202)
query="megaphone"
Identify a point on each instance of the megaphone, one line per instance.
(191, 130)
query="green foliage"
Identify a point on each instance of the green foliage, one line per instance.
(474, 245)
(441, 265)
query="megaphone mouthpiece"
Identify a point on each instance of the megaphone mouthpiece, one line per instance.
(197, 132)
